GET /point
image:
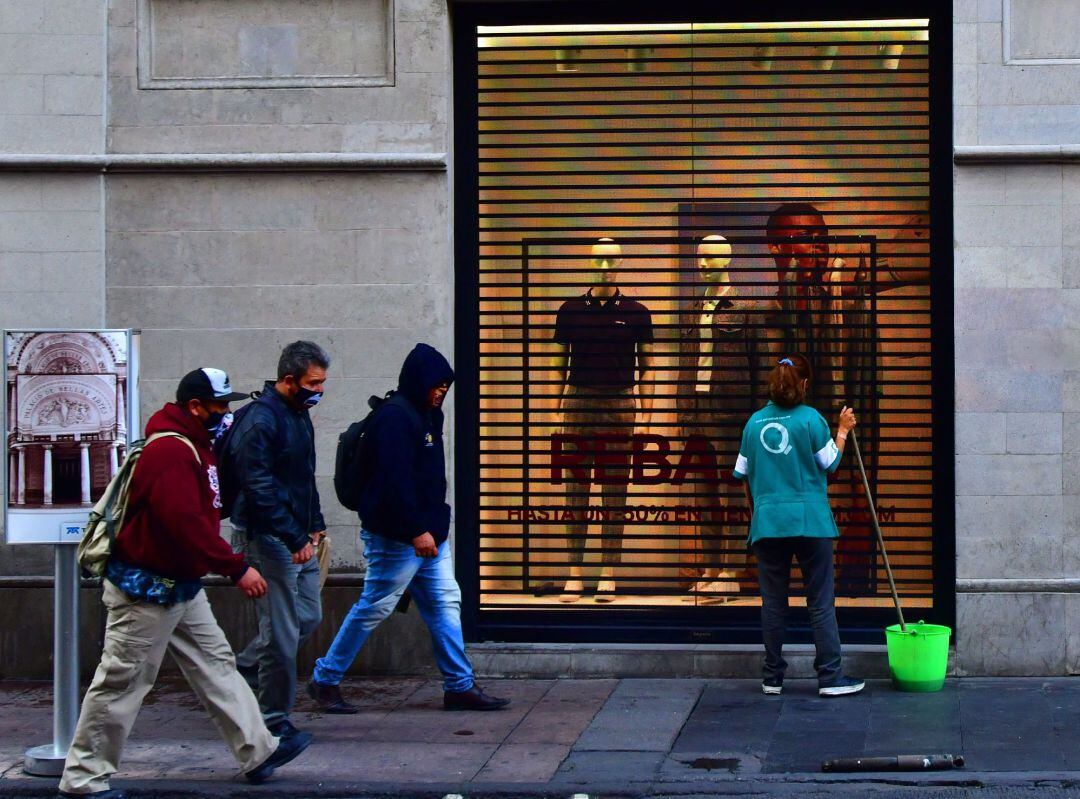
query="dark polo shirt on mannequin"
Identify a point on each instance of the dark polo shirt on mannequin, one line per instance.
(603, 337)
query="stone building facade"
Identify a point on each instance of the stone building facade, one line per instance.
(229, 176)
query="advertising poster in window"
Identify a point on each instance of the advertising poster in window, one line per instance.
(67, 423)
(665, 211)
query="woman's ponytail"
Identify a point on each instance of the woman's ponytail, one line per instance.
(786, 381)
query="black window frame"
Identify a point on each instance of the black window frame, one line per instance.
(691, 624)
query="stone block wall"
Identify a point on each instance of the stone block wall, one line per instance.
(1017, 314)
(227, 269)
(409, 114)
(52, 63)
(52, 59)
(51, 69)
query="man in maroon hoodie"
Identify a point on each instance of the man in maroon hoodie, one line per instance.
(169, 540)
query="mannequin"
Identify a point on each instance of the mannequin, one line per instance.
(719, 355)
(604, 360)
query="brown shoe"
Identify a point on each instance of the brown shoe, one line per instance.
(330, 700)
(473, 699)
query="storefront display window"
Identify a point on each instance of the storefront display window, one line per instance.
(661, 211)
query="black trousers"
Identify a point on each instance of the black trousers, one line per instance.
(815, 557)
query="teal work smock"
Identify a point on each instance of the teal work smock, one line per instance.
(785, 455)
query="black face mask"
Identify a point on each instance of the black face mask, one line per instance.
(217, 423)
(307, 398)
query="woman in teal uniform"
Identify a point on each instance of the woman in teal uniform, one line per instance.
(785, 455)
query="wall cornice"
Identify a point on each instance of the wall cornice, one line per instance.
(1016, 154)
(225, 162)
(403, 162)
(1019, 585)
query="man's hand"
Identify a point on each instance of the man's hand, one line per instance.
(305, 554)
(252, 584)
(316, 538)
(425, 546)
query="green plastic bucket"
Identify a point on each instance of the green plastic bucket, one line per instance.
(919, 657)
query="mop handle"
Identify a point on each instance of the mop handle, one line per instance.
(877, 529)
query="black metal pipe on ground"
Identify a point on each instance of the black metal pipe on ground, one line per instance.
(897, 763)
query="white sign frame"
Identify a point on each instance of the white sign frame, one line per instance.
(39, 525)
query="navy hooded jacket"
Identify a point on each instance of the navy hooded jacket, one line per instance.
(406, 496)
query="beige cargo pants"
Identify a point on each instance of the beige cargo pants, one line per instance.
(136, 638)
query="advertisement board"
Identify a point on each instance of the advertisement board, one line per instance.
(70, 406)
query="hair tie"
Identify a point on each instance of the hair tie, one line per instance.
(785, 362)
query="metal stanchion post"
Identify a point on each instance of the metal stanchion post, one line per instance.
(48, 760)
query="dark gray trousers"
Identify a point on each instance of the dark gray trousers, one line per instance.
(815, 557)
(288, 614)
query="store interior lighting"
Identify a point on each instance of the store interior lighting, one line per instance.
(566, 59)
(637, 58)
(890, 55)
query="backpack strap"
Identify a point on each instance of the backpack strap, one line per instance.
(115, 521)
(169, 434)
(279, 418)
(414, 415)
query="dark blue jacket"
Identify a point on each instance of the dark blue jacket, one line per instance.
(273, 453)
(406, 496)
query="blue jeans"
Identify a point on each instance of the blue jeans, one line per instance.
(391, 568)
(815, 557)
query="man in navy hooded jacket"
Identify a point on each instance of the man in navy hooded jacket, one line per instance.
(405, 522)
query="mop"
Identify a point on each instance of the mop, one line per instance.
(942, 762)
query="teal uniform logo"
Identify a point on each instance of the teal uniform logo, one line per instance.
(775, 437)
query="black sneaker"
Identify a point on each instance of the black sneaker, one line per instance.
(473, 699)
(287, 750)
(842, 687)
(283, 729)
(329, 699)
(773, 686)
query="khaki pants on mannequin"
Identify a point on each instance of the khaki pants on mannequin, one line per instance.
(136, 639)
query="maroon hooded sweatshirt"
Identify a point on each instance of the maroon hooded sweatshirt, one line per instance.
(172, 526)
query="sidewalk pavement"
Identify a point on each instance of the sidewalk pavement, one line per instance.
(628, 737)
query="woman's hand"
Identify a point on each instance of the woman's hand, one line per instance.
(847, 421)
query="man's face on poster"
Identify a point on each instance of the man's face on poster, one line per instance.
(803, 238)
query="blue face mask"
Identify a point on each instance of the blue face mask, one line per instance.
(308, 398)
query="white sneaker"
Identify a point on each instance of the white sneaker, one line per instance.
(605, 591)
(843, 687)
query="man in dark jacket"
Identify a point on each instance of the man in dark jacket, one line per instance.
(405, 522)
(153, 593)
(271, 455)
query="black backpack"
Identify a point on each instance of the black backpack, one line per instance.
(353, 464)
(228, 482)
